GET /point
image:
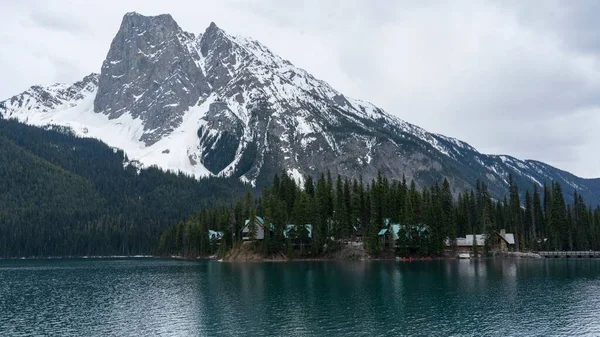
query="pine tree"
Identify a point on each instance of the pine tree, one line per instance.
(365, 202)
(279, 220)
(339, 209)
(415, 198)
(252, 227)
(447, 230)
(232, 225)
(322, 221)
(376, 215)
(557, 219)
(569, 223)
(488, 226)
(355, 209)
(583, 226)
(347, 214)
(538, 216)
(528, 219)
(401, 199)
(547, 201)
(309, 186)
(516, 221)
(268, 221)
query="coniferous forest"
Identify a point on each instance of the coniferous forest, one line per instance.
(340, 210)
(61, 195)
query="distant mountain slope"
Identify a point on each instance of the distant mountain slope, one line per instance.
(214, 104)
(63, 195)
(31, 183)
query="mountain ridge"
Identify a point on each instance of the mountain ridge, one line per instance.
(217, 104)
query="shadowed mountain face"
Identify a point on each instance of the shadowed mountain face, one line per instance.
(217, 104)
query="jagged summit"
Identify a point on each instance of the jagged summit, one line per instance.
(136, 15)
(218, 104)
(134, 21)
(133, 13)
(151, 72)
(212, 27)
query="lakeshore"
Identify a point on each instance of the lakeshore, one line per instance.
(247, 255)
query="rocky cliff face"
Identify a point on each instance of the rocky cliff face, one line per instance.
(217, 104)
(152, 72)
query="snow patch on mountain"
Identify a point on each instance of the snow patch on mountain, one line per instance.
(217, 104)
(123, 132)
(296, 175)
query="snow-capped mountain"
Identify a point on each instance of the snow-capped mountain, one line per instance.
(217, 104)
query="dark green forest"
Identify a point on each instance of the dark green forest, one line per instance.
(340, 210)
(61, 195)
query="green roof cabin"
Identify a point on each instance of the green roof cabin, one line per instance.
(259, 229)
(214, 235)
(292, 231)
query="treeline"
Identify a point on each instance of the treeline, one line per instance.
(61, 195)
(342, 209)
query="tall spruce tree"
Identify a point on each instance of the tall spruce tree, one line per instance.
(558, 217)
(537, 217)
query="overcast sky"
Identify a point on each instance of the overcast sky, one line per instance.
(508, 77)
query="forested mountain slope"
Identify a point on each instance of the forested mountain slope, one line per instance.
(65, 195)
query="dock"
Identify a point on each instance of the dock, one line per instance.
(569, 254)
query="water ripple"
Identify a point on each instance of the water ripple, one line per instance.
(151, 297)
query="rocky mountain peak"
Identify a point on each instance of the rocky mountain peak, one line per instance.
(151, 72)
(133, 19)
(210, 37)
(212, 28)
(219, 104)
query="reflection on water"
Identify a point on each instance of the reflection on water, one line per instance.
(144, 297)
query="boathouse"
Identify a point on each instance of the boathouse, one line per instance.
(468, 241)
(504, 241)
(501, 241)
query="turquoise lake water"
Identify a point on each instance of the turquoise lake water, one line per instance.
(156, 297)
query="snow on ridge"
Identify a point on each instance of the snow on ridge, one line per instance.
(296, 176)
(123, 132)
(302, 126)
(291, 76)
(290, 83)
(534, 179)
(459, 143)
(305, 82)
(357, 106)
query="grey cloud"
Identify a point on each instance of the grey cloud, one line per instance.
(512, 77)
(574, 22)
(52, 20)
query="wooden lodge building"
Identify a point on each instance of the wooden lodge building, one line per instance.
(388, 236)
(290, 231)
(259, 229)
(501, 241)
